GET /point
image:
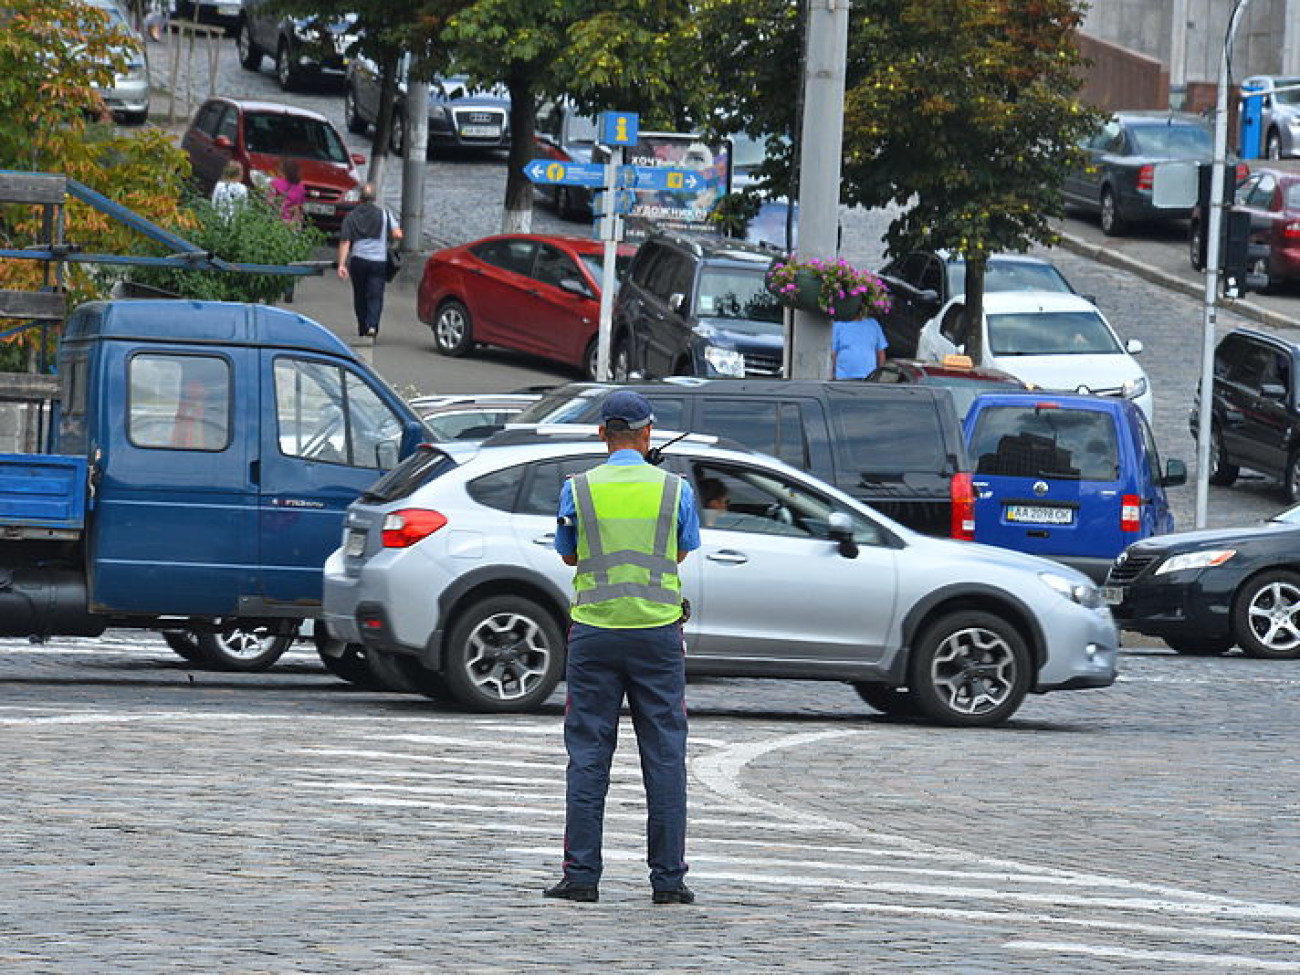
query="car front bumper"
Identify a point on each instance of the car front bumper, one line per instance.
(1082, 649)
(1181, 604)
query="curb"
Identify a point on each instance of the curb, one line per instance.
(1105, 255)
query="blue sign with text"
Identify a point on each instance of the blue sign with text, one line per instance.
(564, 173)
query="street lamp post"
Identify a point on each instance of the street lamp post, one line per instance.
(1205, 427)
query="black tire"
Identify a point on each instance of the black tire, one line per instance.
(351, 116)
(589, 358)
(620, 360)
(243, 649)
(135, 118)
(397, 134)
(1266, 615)
(453, 329)
(391, 672)
(1222, 473)
(1198, 646)
(1112, 221)
(1194, 245)
(1273, 145)
(185, 645)
(505, 653)
(1291, 478)
(250, 55)
(969, 669)
(897, 702)
(351, 666)
(284, 69)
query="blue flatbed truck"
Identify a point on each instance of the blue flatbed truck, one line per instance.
(201, 460)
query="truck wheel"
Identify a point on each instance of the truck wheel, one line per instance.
(244, 650)
(185, 644)
(897, 702)
(1222, 473)
(250, 55)
(1266, 616)
(969, 669)
(453, 329)
(505, 653)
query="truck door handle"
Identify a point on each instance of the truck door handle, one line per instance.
(729, 556)
(547, 539)
(255, 471)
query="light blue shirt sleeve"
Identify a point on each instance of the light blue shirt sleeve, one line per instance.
(688, 520)
(566, 536)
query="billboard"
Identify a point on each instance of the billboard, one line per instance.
(666, 210)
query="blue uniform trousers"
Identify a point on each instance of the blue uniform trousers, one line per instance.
(649, 667)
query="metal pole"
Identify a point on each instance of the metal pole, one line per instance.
(611, 236)
(819, 180)
(414, 168)
(1214, 228)
(1178, 55)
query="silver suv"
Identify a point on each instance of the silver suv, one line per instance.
(447, 575)
(1280, 114)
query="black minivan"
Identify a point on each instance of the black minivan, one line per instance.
(697, 306)
(897, 448)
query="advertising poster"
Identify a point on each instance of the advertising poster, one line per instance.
(667, 210)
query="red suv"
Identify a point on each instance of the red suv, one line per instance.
(262, 135)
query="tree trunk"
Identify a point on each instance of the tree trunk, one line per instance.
(975, 308)
(517, 218)
(384, 124)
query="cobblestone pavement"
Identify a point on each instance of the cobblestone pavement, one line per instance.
(160, 818)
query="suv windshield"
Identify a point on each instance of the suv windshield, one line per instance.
(727, 292)
(1051, 333)
(1035, 441)
(277, 134)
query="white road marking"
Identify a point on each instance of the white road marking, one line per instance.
(1235, 963)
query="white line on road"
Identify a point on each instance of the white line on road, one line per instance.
(1234, 963)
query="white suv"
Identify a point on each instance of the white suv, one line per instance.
(448, 576)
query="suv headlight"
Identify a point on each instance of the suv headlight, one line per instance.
(1133, 388)
(725, 362)
(1083, 593)
(1207, 559)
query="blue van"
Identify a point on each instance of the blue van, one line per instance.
(1069, 477)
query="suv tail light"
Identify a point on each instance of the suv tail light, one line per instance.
(1291, 230)
(1130, 513)
(404, 528)
(961, 490)
(1146, 178)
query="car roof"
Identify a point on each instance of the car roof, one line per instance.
(583, 245)
(717, 248)
(1022, 301)
(270, 108)
(1152, 116)
(1064, 400)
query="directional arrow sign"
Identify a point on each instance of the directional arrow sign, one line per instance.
(564, 173)
(661, 178)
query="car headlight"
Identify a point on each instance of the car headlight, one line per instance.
(1206, 559)
(725, 362)
(1083, 593)
(306, 29)
(352, 195)
(1133, 388)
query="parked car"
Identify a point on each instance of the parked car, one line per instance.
(534, 293)
(697, 306)
(1271, 198)
(222, 13)
(1256, 417)
(303, 48)
(1071, 478)
(261, 135)
(898, 449)
(955, 633)
(469, 416)
(1280, 111)
(922, 282)
(1047, 340)
(128, 98)
(1204, 592)
(460, 117)
(963, 380)
(1118, 181)
(562, 134)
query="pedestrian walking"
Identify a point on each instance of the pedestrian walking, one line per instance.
(363, 258)
(288, 190)
(857, 348)
(625, 526)
(230, 193)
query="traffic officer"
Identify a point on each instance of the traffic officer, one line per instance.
(626, 525)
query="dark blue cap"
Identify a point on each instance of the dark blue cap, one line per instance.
(632, 408)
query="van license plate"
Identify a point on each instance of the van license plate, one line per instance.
(1111, 595)
(1037, 514)
(355, 545)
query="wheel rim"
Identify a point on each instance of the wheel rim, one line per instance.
(1107, 211)
(619, 366)
(1274, 150)
(974, 671)
(244, 44)
(506, 656)
(282, 67)
(1215, 450)
(246, 644)
(398, 136)
(1272, 616)
(1293, 479)
(349, 109)
(593, 354)
(451, 328)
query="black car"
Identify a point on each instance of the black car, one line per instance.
(697, 306)
(921, 282)
(305, 50)
(897, 448)
(1256, 415)
(1204, 592)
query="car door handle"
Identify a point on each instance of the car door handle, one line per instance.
(729, 556)
(547, 539)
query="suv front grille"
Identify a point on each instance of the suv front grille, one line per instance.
(1122, 573)
(763, 364)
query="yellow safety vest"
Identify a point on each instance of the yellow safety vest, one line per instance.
(627, 547)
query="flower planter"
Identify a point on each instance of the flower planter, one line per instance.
(800, 287)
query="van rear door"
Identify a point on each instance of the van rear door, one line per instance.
(1047, 477)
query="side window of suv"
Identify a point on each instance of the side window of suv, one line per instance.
(645, 264)
(667, 274)
(761, 424)
(887, 435)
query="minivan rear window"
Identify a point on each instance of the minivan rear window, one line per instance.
(1031, 441)
(421, 467)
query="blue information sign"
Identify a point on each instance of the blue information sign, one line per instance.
(564, 173)
(668, 178)
(619, 128)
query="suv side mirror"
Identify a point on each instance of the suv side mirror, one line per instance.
(1175, 474)
(677, 303)
(840, 530)
(1275, 391)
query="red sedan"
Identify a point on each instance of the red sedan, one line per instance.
(533, 293)
(1271, 195)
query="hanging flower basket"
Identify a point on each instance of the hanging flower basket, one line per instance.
(833, 288)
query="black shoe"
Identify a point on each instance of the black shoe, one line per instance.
(682, 895)
(567, 890)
